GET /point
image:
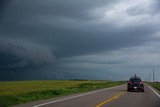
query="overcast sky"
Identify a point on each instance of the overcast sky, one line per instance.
(79, 39)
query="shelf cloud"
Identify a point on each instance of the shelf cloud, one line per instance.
(18, 54)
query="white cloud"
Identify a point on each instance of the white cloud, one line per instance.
(127, 13)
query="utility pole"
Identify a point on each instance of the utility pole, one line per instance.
(149, 77)
(153, 75)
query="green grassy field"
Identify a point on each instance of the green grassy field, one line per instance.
(155, 85)
(12, 93)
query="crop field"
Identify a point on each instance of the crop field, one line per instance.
(12, 93)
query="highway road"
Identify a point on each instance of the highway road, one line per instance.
(111, 97)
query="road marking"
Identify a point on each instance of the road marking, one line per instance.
(51, 102)
(110, 99)
(154, 91)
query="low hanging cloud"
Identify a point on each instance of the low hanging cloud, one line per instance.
(120, 63)
(19, 54)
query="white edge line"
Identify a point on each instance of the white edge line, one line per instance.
(75, 96)
(154, 91)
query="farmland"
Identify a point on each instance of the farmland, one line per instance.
(12, 93)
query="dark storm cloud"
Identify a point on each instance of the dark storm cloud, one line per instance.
(18, 54)
(71, 8)
(70, 28)
(3, 5)
(64, 23)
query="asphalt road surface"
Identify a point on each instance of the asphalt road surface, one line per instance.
(112, 97)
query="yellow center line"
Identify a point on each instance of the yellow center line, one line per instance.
(110, 99)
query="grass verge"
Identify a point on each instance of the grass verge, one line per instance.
(155, 85)
(16, 96)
